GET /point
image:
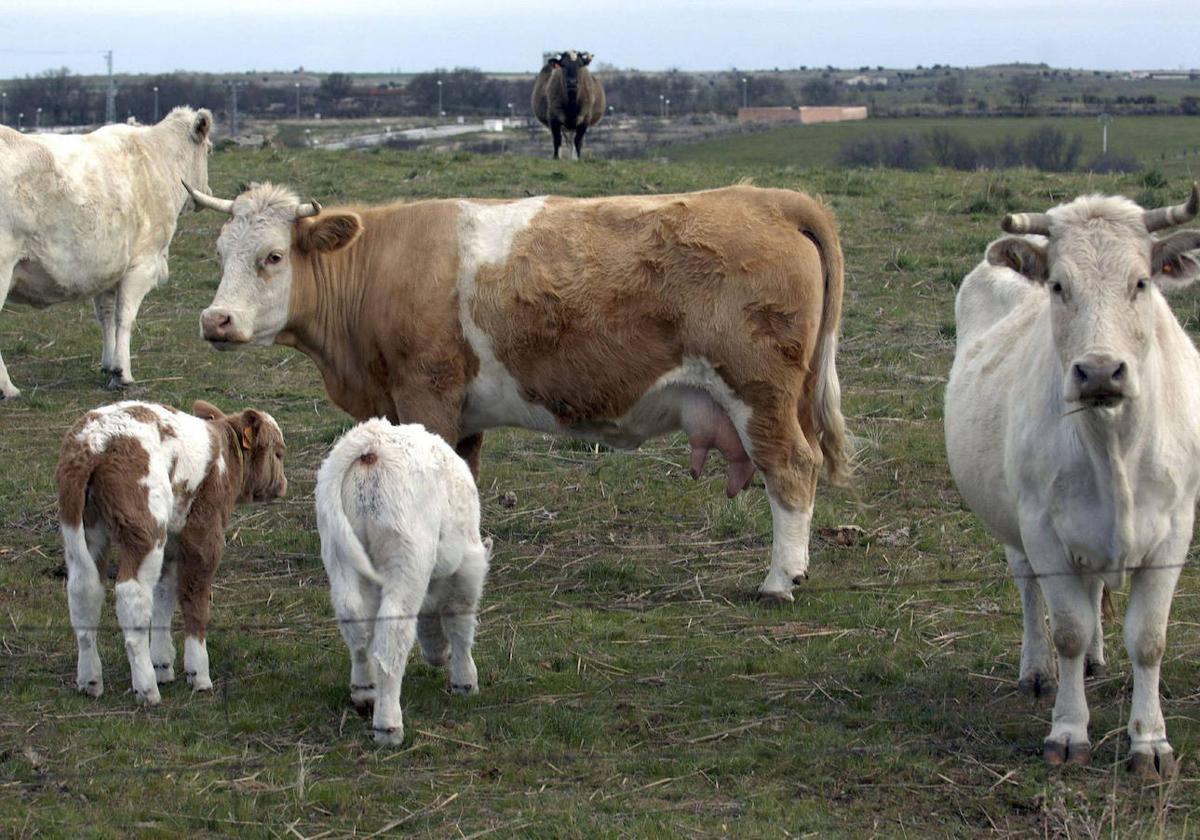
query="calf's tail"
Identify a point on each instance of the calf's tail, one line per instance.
(339, 543)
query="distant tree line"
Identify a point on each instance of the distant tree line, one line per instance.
(1046, 148)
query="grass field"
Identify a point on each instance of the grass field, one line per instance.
(630, 684)
(1170, 144)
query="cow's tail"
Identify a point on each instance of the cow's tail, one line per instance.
(73, 476)
(339, 543)
(826, 391)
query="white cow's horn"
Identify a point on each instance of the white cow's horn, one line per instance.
(311, 209)
(1165, 217)
(1026, 223)
(221, 205)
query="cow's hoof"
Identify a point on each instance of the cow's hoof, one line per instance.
(392, 735)
(1093, 668)
(1058, 753)
(1037, 685)
(92, 688)
(164, 674)
(464, 688)
(198, 682)
(149, 697)
(765, 597)
(117, 381)
(1151, 766)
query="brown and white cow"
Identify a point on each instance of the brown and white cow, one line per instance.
(611, 319)
(159, 486)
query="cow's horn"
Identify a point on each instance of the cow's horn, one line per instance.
(312, 208)
(222, 205)
(1026, 223)
(1165, 217)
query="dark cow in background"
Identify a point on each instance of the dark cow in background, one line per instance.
(567, 95)
(612, 319)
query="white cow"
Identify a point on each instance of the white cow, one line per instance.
(1072, 431)
(92, 215)
(398, 514)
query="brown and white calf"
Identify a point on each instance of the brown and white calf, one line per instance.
(158, 486)
(612, 319)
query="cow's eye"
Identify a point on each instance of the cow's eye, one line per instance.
(274, 258)
(1056, 288)
(1141, 284)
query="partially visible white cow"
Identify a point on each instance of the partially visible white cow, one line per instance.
(1073, 431)
(92, 215)
(398, 514)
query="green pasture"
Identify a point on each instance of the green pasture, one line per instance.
(631, 686)
(1169, 144)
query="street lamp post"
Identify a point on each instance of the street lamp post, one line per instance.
(441, 113)
(20, 120)
(660, 104)
(745, 92)
(37, 125)
(4, 107)
(510, 113)
(297, 84)
(667, 111)
(156, 103)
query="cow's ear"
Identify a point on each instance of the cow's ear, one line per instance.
(201, 125)
(585, 58)
(251, 421)
(1174, 260)
(328, 232)
(206, 410)
(1021, 255)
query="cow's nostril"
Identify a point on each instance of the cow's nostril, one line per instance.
(1119, 372)
(226, 321)
(1080, 373)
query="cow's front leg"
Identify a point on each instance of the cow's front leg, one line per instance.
(556, 134)
(1037, 661)
(1150, 754)
(130, 293)
(8, 391)
(1071, 599)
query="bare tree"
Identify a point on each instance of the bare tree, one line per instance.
(1024, 90)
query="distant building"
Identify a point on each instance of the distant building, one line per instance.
(806, 114)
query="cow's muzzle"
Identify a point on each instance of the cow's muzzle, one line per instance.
(216, 326)
(1098, 380)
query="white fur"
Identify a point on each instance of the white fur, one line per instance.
(1090, 496)
(195, 663)
(400, 539)
(93, 216)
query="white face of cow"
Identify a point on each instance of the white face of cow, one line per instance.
(1103, 271)
(260, 248)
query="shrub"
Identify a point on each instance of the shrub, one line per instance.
(1112, 162)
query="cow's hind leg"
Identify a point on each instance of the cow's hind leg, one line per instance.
(396, 629)
(106, 313)
(130, 293)
(136, 578)
(460, 616)
(356, 603)
(789, 461)
(85, 598)
(162, 651)
(8, 262)
(1037, 660)
(200, 546)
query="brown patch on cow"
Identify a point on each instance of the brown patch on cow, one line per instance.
(165, 430)
(386, 305)
(141, 413)
(368, 458)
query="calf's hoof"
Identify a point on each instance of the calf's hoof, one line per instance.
(92, 688)
(164, 674)
(1058, 753)
(392, 736)
(1152, 766)
(1037, 685)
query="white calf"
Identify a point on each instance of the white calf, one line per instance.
(398, 514)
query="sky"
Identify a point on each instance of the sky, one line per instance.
(152, 36)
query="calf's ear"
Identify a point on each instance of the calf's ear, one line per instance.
(206, 410)
(328, 232)
(251, 420)
(1022, 256)
(1174, 261)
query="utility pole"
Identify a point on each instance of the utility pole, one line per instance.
(233, 124)
(3, 107)
(110, 95)
(441, 113)
(156, 103)
(297, 100)
(1105, 119)
(745, 92)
